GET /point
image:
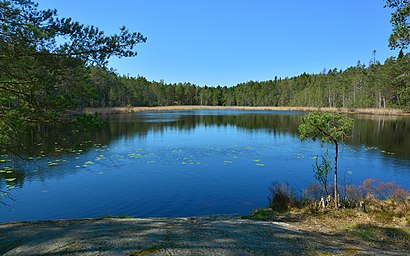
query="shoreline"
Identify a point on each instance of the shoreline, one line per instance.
(217, 235)
(364, 111)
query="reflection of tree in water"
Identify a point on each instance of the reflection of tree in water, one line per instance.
(389, 134)
(386, 134)
(10, 179)
(60, 140)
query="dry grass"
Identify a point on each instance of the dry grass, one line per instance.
(384, 222)
(366, 111)
(357, 227)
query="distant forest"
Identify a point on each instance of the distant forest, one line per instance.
(50, 66)
(374, 86)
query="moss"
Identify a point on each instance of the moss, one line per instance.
(312, 251)
(260, 214)
(145, 251)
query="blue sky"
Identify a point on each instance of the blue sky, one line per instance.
(217, 42)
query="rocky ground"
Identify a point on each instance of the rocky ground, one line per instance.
(179, 236)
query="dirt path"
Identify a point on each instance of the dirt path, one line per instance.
(180, 236)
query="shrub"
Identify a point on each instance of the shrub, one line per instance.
(370, 190)
(282, 197)
(312, 192)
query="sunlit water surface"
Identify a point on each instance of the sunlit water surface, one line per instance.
(186, 163)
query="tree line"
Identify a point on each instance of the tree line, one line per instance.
(50, 66)
(377, 85)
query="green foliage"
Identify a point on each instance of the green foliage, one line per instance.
(260, 214)
(400, 37)
(327, 127)
(49, 65)
(43, 64)
(322, 169)
(376, 86)
(89, 121)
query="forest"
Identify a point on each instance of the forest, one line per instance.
(51, 67)
(377, 85)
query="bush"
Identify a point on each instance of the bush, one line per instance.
(383, 200)
(370, 190)
(282, 197)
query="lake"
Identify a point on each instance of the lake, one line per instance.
(185, 163)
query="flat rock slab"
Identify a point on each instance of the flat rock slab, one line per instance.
(170, 236)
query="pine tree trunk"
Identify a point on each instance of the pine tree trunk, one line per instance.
(328, 97)
(354, 96)
(335, 178)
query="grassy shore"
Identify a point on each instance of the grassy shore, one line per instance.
(367, 111)
(380, 230)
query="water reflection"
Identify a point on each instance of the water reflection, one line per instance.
(387, 133)
(167, 142)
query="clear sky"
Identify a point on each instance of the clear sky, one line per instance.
(225, 42)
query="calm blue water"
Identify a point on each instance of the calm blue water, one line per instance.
(187, 163)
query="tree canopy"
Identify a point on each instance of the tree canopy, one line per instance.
(327, 127)
(400, 37)
(377, 85)
(50, 65)
(43, 60)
